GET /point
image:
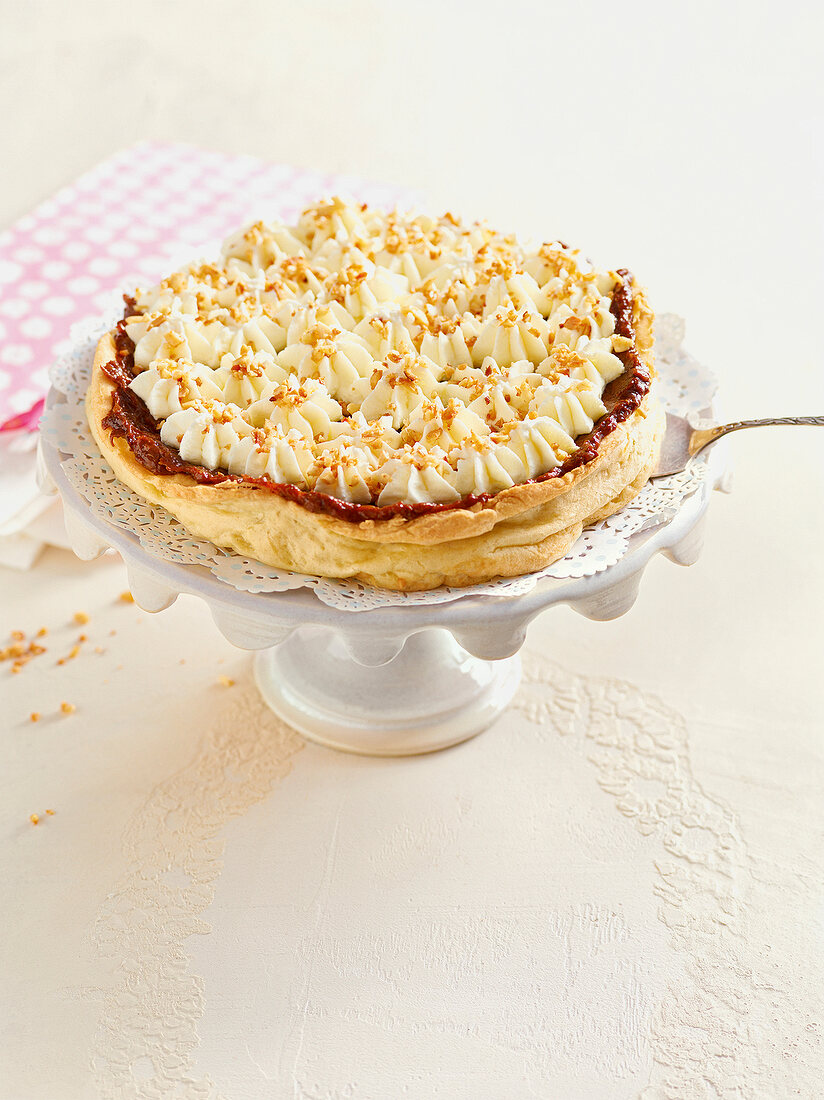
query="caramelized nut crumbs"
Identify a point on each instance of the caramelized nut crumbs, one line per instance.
(19, 653)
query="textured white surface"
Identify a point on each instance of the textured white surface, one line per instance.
(603, 893)
(428, 924)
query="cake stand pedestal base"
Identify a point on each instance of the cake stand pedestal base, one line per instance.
(429, 696)
(385, 680)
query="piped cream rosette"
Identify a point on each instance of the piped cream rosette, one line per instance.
(385, 361)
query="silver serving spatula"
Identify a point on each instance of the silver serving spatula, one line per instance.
(682, 441)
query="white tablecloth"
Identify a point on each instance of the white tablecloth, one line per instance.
(617, 887)
(617, 890)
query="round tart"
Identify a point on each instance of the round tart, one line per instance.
(405, 400)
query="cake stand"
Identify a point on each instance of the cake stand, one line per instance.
(390, 681)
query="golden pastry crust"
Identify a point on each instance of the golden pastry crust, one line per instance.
(517, 531)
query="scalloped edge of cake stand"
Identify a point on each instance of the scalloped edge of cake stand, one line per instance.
(393, 681)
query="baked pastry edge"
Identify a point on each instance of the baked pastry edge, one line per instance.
(519, 531)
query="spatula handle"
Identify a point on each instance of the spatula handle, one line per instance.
(703, 437)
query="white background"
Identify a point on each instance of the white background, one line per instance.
(683, 143)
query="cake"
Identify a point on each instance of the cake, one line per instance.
(404, 400)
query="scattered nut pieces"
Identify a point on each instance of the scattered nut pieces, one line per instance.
(50, 813)
(34, 818)
(41, 633)
(126, 597)
(68, 708)
(73, 652)
(34, 716)
(19, 653)
(225, 681)
(81, 618)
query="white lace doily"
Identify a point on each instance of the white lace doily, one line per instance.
(684, 386)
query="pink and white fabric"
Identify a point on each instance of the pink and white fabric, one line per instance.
(126, 223)
(120, 225)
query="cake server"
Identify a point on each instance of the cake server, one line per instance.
(683, 442)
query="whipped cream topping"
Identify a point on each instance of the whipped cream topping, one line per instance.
(378, 357)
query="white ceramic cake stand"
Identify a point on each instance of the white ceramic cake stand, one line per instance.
(391, 681)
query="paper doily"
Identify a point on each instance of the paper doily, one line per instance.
(684, 386)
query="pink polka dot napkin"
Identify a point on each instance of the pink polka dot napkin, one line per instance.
(126, 223)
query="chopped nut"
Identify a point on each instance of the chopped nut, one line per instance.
(225, 681)
(80, 617)
(50, 813)
(41, 633)
(34, 716)
(20, 653)
(17, 635)
(68, 708)
(33, 818)
(126, 597)
(70, 656)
